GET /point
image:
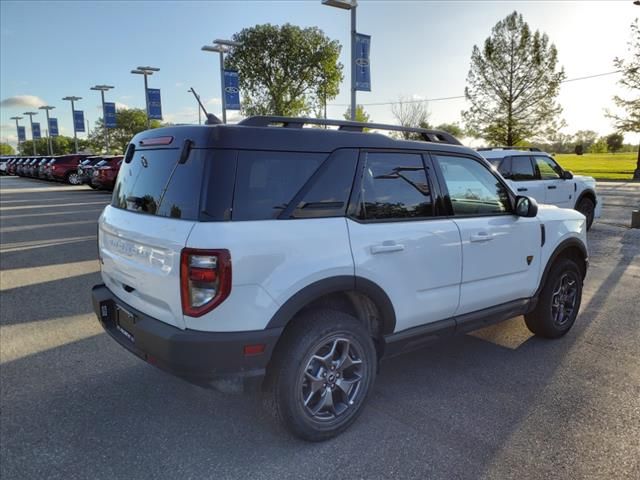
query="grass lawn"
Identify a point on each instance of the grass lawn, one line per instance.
(603, 166)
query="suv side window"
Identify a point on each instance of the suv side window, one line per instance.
(473, 189)
(267, 181)
(394, 186)
(522, 169)
(549, 170)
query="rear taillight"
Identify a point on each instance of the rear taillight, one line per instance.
(205, 280)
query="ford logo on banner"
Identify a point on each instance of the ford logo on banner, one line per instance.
(155, 104)
(109, 114)
(78, 120)
(22, 134)
(231, 90)
(35, 130)
(362, 65)
(53, 127)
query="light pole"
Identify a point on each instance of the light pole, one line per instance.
(102, 89)
(17, 128)
(221, 46)
(349, 5)
(73, 117)
(33, 140)
(46, 108)
(198, 102)
(146, 71)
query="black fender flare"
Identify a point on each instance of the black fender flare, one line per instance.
(559, 250)
(342, 283)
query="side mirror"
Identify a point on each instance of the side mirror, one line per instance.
(567, 175)
(526, 207)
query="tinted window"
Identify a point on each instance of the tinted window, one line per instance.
(329, 189)
(153, 183)
(473, 189)
(522, 169)
(548, 169)
(394, 186)
(267, 181)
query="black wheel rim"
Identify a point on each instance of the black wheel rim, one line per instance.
(564, 299)
(332, 379)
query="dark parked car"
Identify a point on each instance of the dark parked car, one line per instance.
(23, 168)
(106, 172)
(39, 169)
(64, 168)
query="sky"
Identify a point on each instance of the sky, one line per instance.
(419, 49)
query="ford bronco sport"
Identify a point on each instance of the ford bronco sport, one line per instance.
(536, 174)
(296, 258)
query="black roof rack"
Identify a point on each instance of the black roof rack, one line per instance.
(526, 149)
(435, 136)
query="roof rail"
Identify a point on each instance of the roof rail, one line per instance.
(527, 149)
(435, 136)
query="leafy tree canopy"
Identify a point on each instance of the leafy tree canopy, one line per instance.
(285, 70)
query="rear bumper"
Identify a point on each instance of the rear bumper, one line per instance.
(214, 359)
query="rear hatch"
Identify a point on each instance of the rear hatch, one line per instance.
(155, 204)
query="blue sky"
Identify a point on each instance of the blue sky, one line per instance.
(419, 49)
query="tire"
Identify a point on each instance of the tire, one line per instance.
(559, 301)
(316, 342)
(587, 208)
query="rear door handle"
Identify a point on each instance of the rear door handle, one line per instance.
(551, 187)
(387, 248)
(523, 189)
(481, 237)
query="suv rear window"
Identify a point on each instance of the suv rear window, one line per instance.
(154, 183)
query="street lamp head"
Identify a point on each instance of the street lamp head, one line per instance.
(227, 43)
(30, 113)
(343, 4)
(16, 118)
(72, 98)
(149, 69)
(102, 88)
(216, 49)
(139, 72)
(46, 107)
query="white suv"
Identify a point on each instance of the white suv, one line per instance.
(536, 174)
(295, 259)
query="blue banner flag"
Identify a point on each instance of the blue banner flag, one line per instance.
(78, 120)
(53, 127)
(155, 105)
(35, 130)
(362, 66)
(109, 114)
(231, 90)
(22, 134)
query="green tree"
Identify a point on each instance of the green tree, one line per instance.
(453, 128)
(614, 142)
(42, 148)
(512, 85)
(586, 138)
(361, 114)
(129, 122)
(6, 149)
(630, 120)
(600, 146)
(285, 70)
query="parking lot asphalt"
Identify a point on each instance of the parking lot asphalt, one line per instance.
(496, 403)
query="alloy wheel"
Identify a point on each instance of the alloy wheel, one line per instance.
(563, 299)
(332, 379)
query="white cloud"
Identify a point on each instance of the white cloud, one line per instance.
(214, 101)
(186, 115)
(20, 101)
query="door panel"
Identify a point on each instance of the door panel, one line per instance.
(397, 243)
(496, 270)
(524, 179)
(500, 250)
(558, 191)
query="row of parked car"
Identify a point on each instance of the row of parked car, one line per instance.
(97, 171)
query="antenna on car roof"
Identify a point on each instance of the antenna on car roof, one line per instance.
(211, 118)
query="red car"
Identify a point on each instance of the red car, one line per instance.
(106, 172)
(63, 168)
